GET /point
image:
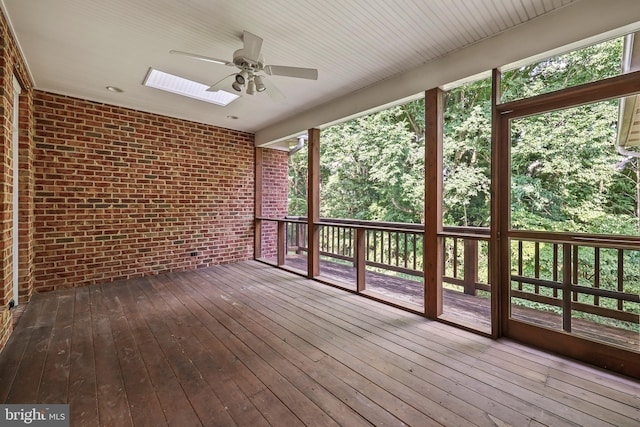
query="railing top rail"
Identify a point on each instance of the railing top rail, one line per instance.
(375, 227)
(595, 240)
(373, 224)
(480, 233)
(355, 223)
(291, 220)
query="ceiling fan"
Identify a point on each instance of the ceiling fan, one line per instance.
(253, 70)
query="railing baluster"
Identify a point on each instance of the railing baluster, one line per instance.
(537, 266)
(519, 263)
(397, 249)
(556, 267)
(362, 236)
(415, 253)
(575, 270)
(282, 241)
(470, 266)
(335, 240)
(455, 257)
(368, 243)
(375, 245)
(596, 274)
(566, 287)
(620, 276)
(406, 249)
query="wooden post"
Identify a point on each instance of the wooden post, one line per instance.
(432, 247)
(313, 204)
(299, 238)
(360, 258)
(282, 242)
(257, 234)
(499, 275)
(566, 287)
(470, 266)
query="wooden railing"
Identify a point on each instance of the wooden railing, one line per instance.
(466, 258)
(541, 272)
(580, 273)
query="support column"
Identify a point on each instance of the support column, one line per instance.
(432, 246)
(499, 280)
(257, 244)
(313, 204)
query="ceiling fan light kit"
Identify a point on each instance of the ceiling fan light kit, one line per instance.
(251, 87)
(260, 87)
(251, 64)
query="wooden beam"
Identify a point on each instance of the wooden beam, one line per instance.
(313, 203)
(613, 87)
(257, 236)
(433, 204)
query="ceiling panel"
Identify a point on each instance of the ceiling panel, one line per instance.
(78, 47)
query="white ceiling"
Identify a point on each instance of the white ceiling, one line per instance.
(78, 47)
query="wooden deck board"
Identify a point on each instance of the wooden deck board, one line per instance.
(82, 370)
(54, 386)
(247, 344)
(12, 355)
(30, 370)
(174, 402)
(113, 407)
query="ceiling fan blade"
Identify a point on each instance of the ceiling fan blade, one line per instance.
(201, 57)
(223, 84)
(252, 46)
(300, 73)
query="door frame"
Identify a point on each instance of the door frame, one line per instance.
(597, 353)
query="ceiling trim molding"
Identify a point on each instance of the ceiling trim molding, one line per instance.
(7, 19)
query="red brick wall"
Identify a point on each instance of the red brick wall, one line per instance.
(122, 193)
(12, 64)
(275, 185)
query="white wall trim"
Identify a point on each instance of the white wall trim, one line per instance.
(15, 145)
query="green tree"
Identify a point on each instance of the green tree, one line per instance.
(372, 168)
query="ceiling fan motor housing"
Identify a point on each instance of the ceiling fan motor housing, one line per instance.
(246, 64)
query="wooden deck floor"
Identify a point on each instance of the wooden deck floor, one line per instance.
(472, 312)
(251, 345)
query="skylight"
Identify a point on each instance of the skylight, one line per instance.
(185, 87)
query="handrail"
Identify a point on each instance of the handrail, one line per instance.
(398, 247)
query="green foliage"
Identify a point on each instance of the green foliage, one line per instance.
(298, 183)
(372, 168)
(577, 67)
(566, 174)
(467, 155)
